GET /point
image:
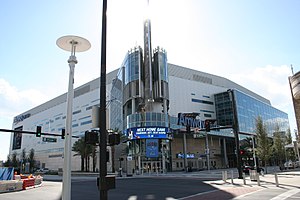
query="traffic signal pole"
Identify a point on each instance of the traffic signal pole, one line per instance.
(102, 114)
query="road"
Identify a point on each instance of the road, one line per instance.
(143, 188)
(126, 188)
(179, 186)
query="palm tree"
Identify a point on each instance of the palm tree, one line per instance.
(79, 148)
(23, 159)
(85, 151)
(94, 157)
(31, 160)
(15, 160)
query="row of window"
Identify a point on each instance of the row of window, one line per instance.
(248, 109)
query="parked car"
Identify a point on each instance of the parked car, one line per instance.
(289, 165)
(247, 168)
(43, 170)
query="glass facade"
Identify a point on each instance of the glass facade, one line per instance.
(132, 64)
(116, 107)
(248, 109)
(146, 119)
(134, 98)
(161, 66)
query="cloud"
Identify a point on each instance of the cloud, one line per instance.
(272, 83)
(269, 81)
(14, 101)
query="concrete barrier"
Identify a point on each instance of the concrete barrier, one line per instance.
(10, 186)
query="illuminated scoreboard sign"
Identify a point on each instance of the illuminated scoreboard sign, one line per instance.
(148, 132)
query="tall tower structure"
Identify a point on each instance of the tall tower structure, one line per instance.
(146, 87)
(146, 104)
(148, 63)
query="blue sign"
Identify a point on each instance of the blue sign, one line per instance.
(148, 132)
(188, 155)
(152, 148)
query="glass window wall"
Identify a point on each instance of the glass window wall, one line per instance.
(248, 109)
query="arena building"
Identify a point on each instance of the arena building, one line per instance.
(161, 109)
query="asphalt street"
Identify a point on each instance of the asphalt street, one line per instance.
(182, 186)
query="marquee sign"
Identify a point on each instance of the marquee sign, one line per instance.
(20, 118)
(189, 119)
(148, 132)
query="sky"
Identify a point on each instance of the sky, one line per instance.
(251, 42)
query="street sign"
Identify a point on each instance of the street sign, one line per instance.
(46, 139)
(201, 134)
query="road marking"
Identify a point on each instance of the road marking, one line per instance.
(198, 194)
(286, 195)
(132, 198)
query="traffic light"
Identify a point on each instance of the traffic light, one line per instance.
(242, 152)
(91, 137)
(63, 133)
(38, 131)
(113, 139)
(207, 125)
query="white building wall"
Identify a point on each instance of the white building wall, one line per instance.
(53, 120)
(182, 92)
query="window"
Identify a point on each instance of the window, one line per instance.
(202, 101)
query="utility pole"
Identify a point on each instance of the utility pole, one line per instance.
(102, 114)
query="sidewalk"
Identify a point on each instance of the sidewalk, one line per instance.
(268, 189)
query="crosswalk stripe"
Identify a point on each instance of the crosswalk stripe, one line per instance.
(286, 194)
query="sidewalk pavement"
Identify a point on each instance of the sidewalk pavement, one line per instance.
(266, 188)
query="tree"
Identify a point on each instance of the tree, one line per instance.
(290, 153)
(88, 153)
(289, 139)
(15, 160)
(23, 159)
(8, 162)
(263, 142)
(31, 160)
(85, 151)
(94, 157)
(279, 146)
(79, 148)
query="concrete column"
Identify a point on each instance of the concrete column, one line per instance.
(184, 152)
(225, 153)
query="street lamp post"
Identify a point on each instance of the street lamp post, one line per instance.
(72, 44)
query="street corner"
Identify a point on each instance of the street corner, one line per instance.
(235, 187)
